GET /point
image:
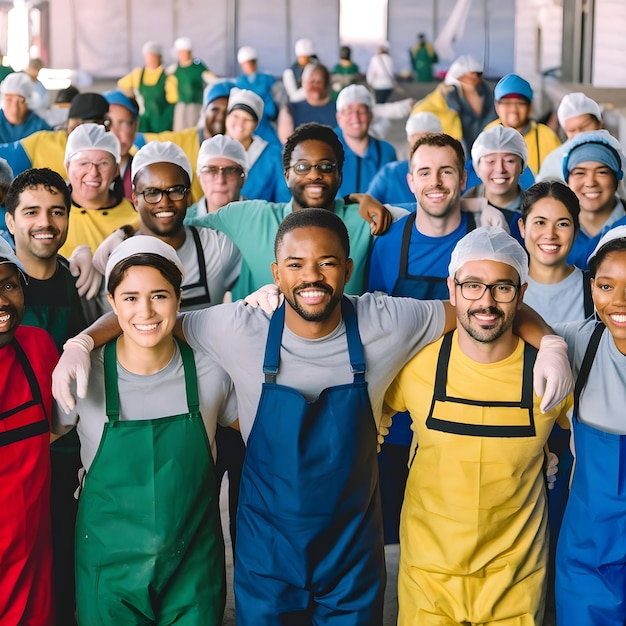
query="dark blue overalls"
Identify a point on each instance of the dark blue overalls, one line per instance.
(309, 532)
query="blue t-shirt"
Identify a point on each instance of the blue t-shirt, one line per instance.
(390, 186)
(266, 179)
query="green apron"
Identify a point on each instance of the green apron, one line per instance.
(158, 113)
(149, 546)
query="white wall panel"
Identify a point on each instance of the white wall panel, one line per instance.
(609, 69)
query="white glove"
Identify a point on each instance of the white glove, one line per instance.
(74, 364)
(490, 216)
(552, 375)
(552, 468)
(88, 278)
(103, 251)
(268, 298)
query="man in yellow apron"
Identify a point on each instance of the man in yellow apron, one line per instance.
(473, 531)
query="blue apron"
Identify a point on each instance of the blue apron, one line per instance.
(591, 553)
(309, 532)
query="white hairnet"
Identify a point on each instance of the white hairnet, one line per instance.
(619, 232)
(221, 146)
(141, 244)
(246, 53)
(499, 139)
(354, 94)
(182, 43)
(577, 103)
(489, 243)
(160, 152)
(6, 173)
(422, 122)
(18, 83)
(464, 64)
(92, 137)
(304, 48)
(151, 47)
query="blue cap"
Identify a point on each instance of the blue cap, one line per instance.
(117, 97)
(597, 146)
(513, 85)
(219, 90)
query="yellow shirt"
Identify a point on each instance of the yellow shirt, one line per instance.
(47, 149)
(129, 84)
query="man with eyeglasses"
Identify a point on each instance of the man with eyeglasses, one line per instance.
(92, 157)
(17, 119)
(474, 535)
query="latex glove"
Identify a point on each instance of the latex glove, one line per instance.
(74, 364)
(552, 375)
(552, 468)
(103, 251)
(88, 279)
(373, 212)
(268, 298)
(490, 216)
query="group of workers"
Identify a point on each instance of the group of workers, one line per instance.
(462, 386)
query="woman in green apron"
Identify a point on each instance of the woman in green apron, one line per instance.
(149, 547)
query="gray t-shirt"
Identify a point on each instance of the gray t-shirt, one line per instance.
(151, 396)
(604, 397)
(558, 302)
(392, 331)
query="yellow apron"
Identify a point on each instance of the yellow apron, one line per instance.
(473, 531)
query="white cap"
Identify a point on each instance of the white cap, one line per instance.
(8, 256)
(499, 139)
(422, 122)
(246, 100)
(490, 243)
(304, 48)
(18, 83)
(141, 244)
(151, 47)
(619, 232)
(159, 152)
(246, 53)
(354, 94)
(182, 43)
(221, 146)
(577, 103)
(464, 64)
(6, 173)
(91, 137)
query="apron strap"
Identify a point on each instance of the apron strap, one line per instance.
(441, 373)
(585, 368)
(404, 246)
(530, 354)
(470, 222)
(272, 345)
(202, 282)
(111, 388)
(587, 299)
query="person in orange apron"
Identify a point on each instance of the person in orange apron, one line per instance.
(473, 530)
(149, 545)
(27, 357)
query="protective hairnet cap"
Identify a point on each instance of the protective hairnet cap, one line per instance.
(91, 137)
(247, 101)
(117, 97)
(221, 147)
(19, 84)
(304, 48)
(594, 146)
(219, 90)
(160, 152)
(464, 64)
(182, 43)
(151, 47)
(499, 139)
(246, 53)
(619, 232)
(422, 122)
(489, 243)
(141, 244)
(577, 103)
(513, 85)
(6, 173)
(7, 255)
(354, 94)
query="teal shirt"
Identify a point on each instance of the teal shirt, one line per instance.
(252, 225)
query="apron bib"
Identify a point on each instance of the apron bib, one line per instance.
(158, 113)
(309, 536)
(203, 299)
(25, 535)
(591, 553)
(485, 560)
(149, 547)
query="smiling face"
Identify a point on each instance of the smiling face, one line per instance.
(15, 108)
(513, 112)
(40, 224)
(240, 125)
(11, 302)
(91, 173)
(608, 290)
(595, 186)
(436, 179)
(215, 117)
(146, 305)
(500, 172)
(124, 125)
(354, 120)
(548, 232)
(221, 180)
(312, 270)
(313, 189)
(581, 124)
(165, 217)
